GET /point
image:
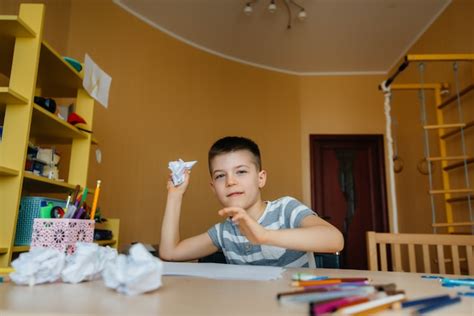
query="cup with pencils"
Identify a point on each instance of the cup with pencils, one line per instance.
(73, 224)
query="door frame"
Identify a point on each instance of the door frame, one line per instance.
(315, 141)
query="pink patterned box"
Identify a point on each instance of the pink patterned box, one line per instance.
(61, 233)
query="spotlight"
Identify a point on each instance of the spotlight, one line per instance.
(248, 9)
(302, 15)
(272, 7)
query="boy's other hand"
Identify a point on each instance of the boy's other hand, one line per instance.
(254, 232)
(180, 188)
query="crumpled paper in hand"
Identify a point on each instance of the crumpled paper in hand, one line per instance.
(137, 273)
(39, 265)
(87, 262)
(177, 168)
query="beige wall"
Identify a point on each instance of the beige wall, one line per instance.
(168, 101)
(452, 32)
(338, 105)
(56, 25)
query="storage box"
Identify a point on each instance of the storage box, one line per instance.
(61, 233)
(29, 210)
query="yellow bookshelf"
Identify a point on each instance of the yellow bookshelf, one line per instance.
(9, 96)
(12, 25)
(35, 68)
(4, 171)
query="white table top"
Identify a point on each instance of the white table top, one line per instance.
(198, 296)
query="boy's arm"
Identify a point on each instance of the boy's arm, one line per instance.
(314, 233)
(171, 247)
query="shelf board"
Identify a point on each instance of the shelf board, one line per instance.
(4, 171)
(20, 248)
(454, 97)
(94, 141)
(105, 242)
(40, 184)
(460, 199)
(3, 250)
(13, 26)
(9, 96)
(56, 77)
(457, 130)
(47, 127)
(458, 164)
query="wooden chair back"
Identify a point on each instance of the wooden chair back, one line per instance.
(377, 251)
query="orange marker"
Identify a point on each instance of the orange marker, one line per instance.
(94, 202)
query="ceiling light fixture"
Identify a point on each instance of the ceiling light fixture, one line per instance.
(248, 9)
(272, 8)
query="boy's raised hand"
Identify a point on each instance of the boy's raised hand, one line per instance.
(254, 232)
(180, 188)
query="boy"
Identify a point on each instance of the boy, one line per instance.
(277, 233)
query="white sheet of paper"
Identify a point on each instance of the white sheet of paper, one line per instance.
(96, 81)
(223, 271)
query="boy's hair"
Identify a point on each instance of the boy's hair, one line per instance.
(234, 143)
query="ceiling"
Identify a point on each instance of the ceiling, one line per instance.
(338, 37)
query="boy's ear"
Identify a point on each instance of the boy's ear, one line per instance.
(212, 187)
(262, 178)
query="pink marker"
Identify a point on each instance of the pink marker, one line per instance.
(331, 306)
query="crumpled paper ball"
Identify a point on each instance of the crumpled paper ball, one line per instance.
(39, 265)
(87, 262)
(137, 273)
(177, 168)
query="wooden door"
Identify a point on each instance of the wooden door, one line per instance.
(348, 189)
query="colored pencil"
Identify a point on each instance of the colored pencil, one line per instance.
(324, 296)
(328, 281)
(94, 202)
(371, 307)
(331, 306)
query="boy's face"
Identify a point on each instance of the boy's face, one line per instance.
(236, 180)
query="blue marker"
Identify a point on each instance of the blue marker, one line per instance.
(438, 304)
(457, 282)
(423, 301)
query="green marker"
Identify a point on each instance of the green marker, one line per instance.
(84, 196)
(45, 209)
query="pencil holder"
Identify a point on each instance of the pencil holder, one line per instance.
(61, 233)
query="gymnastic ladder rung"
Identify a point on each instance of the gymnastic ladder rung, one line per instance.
(457, 130)
(458, 224)
(440, 126)
(459, 199)
(451, 191)
(448, 158)
(467, 161)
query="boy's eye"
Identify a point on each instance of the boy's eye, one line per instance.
(241, 171)
(218, 176)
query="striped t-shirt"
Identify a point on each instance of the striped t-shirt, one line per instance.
(283, 213)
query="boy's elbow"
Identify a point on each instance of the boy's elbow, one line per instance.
(339, 245)
(164, 254)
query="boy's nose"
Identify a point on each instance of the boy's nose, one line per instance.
(230, 181)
